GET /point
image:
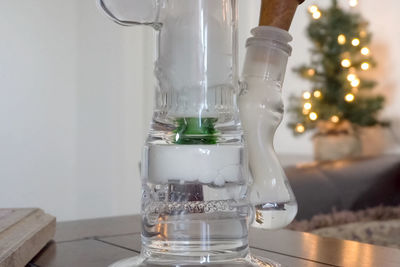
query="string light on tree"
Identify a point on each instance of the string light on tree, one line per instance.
(349, 97)
(313, 116)
(351, 77)
(365, 66)
(310, 72)
(346, 63)
(335, 119)
(300, 128)
(307, 106)
(341, 39)
(363, 34)
(365, 51)
(355, 42)
(355, 82)
(353, 3)
(306, 95)
(317, 93)
(316, 15)
(312, 9)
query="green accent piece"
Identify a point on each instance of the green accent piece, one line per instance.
(192, 131)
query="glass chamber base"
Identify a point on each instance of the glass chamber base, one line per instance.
(249, 261)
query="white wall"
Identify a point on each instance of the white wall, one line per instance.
(38, 105)
(75, 94)
(71, 109)
(109, 114)
(386, 49)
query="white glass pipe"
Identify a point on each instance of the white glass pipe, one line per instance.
(261, 111)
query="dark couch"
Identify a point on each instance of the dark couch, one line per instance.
(345, 184)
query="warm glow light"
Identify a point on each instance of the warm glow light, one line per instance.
(341, 39)
(317, 93)
(365, 51)
(335, 119)
(355, 82)
(307, 105)
(355, 42)
(306, 95)
(310, 72)
(312, 9)
(346, 63)
(363, 34)
(351, 77)
(365, 66)
(300, 128)
(316, 15)
(306, 111)
(349, 97)
(353, 3)
(313, 116)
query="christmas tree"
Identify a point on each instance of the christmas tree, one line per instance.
(340, 60)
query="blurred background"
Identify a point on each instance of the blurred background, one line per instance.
(76, 101)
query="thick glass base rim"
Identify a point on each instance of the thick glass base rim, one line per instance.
(249, 261)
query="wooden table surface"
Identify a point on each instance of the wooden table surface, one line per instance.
(100, 242)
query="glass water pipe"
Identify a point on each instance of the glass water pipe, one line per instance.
(208, 166)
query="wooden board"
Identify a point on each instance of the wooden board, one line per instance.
(23, 233)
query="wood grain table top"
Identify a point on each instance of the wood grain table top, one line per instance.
(100, 242)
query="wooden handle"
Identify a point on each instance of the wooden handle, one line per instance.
(278, 13)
